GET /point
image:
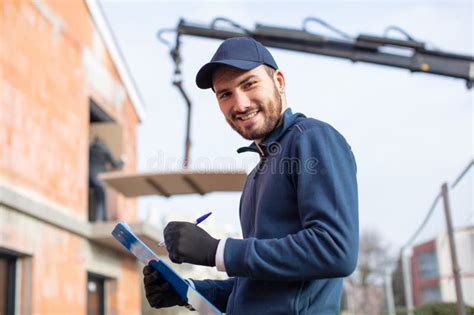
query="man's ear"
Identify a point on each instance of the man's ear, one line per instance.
(279, 79)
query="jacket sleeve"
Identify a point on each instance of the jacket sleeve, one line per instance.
(115, 163)
(216, 291)
(327, 244)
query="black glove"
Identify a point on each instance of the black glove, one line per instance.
(159, 292)
(187, 242)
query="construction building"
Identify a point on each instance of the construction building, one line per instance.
(62, 82)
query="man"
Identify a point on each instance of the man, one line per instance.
(99, 157)
(298, 210)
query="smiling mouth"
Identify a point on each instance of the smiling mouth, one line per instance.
(247, 116)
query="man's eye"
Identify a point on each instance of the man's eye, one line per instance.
(249, 84)
(224, 95)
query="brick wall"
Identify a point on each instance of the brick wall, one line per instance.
(45, 100)
(52, 61)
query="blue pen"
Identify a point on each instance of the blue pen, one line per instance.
(198, 220)
(202, 218)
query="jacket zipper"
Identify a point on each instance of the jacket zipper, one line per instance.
(260, 165)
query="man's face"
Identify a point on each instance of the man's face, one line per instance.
(250, 100)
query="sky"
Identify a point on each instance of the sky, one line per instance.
(409, 132)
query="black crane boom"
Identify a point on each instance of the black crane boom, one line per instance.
(407, 54)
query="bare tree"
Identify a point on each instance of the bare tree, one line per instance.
(366, 283)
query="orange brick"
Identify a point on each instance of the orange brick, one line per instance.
(44, 133)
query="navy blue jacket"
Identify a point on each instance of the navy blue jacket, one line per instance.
(299, 219)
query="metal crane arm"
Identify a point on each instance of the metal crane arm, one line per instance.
(408, 54)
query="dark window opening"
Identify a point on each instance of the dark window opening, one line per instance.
(105, 150)
(97, 114)
(95, 294)
(7, 284)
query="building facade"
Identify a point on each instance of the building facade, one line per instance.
(60, 76)
(432, 275)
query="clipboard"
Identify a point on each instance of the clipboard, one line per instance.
(144, 254)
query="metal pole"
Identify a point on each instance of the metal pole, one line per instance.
(177, 81)
(461, 310)
(407, 282)
(389, 292)
(187, 141)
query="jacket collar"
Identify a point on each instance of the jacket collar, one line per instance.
(288, 119)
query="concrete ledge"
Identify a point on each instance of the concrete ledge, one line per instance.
(99, 233)
(46, 213)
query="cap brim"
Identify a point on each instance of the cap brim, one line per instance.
(204, 75)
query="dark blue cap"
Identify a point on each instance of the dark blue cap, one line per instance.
(244, 53)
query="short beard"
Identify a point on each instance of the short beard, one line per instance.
(271, 120)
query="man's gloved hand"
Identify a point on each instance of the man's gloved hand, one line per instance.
(158, 291)
(187, 242)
